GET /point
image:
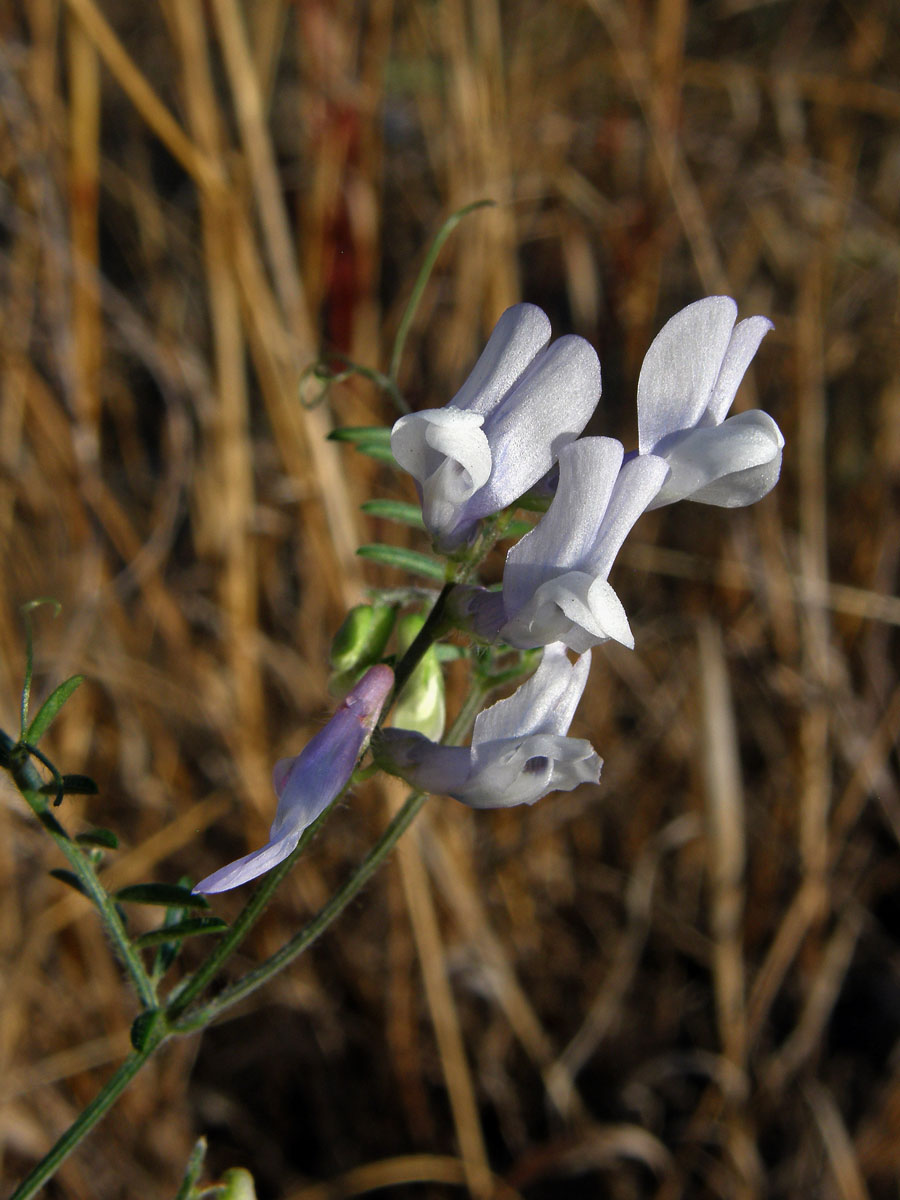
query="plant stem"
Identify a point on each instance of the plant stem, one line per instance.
(200, 1017)
(422, 279)
(352, 368)
(421, 643)
(204, 974)
(16, 760)
(263, 894)
(246, 920)
(254, 979)
(85, 1122)
(192, 1171)
(301, 941)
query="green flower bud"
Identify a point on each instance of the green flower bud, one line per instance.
(421, 705)
(361, 639)
(238, 1185)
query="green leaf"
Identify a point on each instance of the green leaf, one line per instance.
(448, 652)
(26, 610)
(403, 560)
(70, 878)
(422, 279)
(362, 636)
(372, 434)
(395, 510)
(517, 529)
(191, 927)
(192, 1171)
(166, 894)
(51, 824)
(71, 785)
(376, 450)
(532, 503)
(50, 708)
(167, 952)
(145, 1024)
(104, 838)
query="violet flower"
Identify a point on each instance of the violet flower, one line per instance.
(555, 580)
(519, 749)
(309, 782)
(687, 384)
(504, 428)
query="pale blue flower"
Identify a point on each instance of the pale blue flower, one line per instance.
(505, 427)
(687, 384)
(555, 581)
(307, 784)
(519, 749)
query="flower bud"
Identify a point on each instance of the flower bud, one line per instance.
(362, 637)
(308, 783)
(238, 1185)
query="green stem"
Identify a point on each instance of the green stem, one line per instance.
(352, 368)
(246, 920)
(467, 714)
(26, 610)
(263, 894)
(85, 1122)
(422, 279)
(199, 1018)
(16, 760)
(421, 643)
(254, 979)
(192, 1171)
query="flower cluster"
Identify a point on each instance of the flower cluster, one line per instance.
(514, 427)
(515, 424)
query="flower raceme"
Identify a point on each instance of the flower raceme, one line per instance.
(555, 580)
(519, 749)
(517, 417)
(307, 783)
(686, 386)
(504, 428)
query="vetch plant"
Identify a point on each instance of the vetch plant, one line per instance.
(512, 427)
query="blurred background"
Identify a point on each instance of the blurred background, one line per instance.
(682, 983)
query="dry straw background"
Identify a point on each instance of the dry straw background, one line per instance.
(683, 983)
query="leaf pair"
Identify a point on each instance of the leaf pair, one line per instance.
(176, 898)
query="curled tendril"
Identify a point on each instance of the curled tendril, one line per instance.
(323, 373)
